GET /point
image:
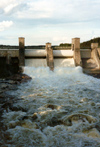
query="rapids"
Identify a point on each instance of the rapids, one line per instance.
(60, 108)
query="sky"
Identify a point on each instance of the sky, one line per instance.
(55, 21)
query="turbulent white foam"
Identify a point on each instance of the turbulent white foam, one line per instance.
(62, 76)
(48, 99)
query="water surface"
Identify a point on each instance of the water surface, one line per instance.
(59, 108)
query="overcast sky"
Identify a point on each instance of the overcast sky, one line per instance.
(55, 21)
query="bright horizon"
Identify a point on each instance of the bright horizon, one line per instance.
(41, 21)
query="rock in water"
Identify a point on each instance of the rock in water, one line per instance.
(68, 120)
(94, 133)
(19, 78)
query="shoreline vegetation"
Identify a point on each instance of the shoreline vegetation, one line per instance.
(83, 45)
(6, 101)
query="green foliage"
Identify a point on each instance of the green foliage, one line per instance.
(35, 47)
(65, 45)
(83, 45)
(8, 47)
(87, 44)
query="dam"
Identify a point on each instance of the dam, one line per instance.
(88, 59)
(54, 109)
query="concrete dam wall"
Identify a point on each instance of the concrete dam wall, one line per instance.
(42, 53)
(74, 56)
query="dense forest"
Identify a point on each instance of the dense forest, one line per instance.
(83, 45)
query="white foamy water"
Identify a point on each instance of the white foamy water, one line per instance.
(55, 109)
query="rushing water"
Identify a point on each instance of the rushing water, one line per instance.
(57, 109)
(61, 62)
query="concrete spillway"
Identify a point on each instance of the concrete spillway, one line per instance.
(35, 53)
(63, 53)
(42, 53)
(63, 58)
(58, 62)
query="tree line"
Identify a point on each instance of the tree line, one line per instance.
(84, 45)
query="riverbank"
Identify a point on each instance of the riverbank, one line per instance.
(92, 72)
(6, 101)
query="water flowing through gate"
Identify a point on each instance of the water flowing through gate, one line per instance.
(57, 62)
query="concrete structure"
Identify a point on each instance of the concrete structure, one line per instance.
(41, 53)
(87, 58)
(29, 53)
(8, 59)
(49, 56)
(76, 48)
(85, 53)
(21, 51)
(11, 52)
(98, 49)
(63, 53)
(94, 45)
(95, 54)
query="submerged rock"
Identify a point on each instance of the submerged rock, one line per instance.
(35, 116)
(68, 120)
(13, 124)
(94, 133)
(3, 85)
(84, 100)
(97, 126)
(52, 106)
(19, 78)
(19, 108)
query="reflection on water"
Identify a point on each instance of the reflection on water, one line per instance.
(60, 108)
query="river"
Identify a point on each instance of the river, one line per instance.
(59, 108)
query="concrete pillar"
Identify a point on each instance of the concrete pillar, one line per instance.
(8, 59)
(76, 48)
(94, 47)
(48, 44)
(95, 54)
(49, 56)
(21, 51)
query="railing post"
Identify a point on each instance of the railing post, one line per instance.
(49, 56)
(76, 48)
(21, 51)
